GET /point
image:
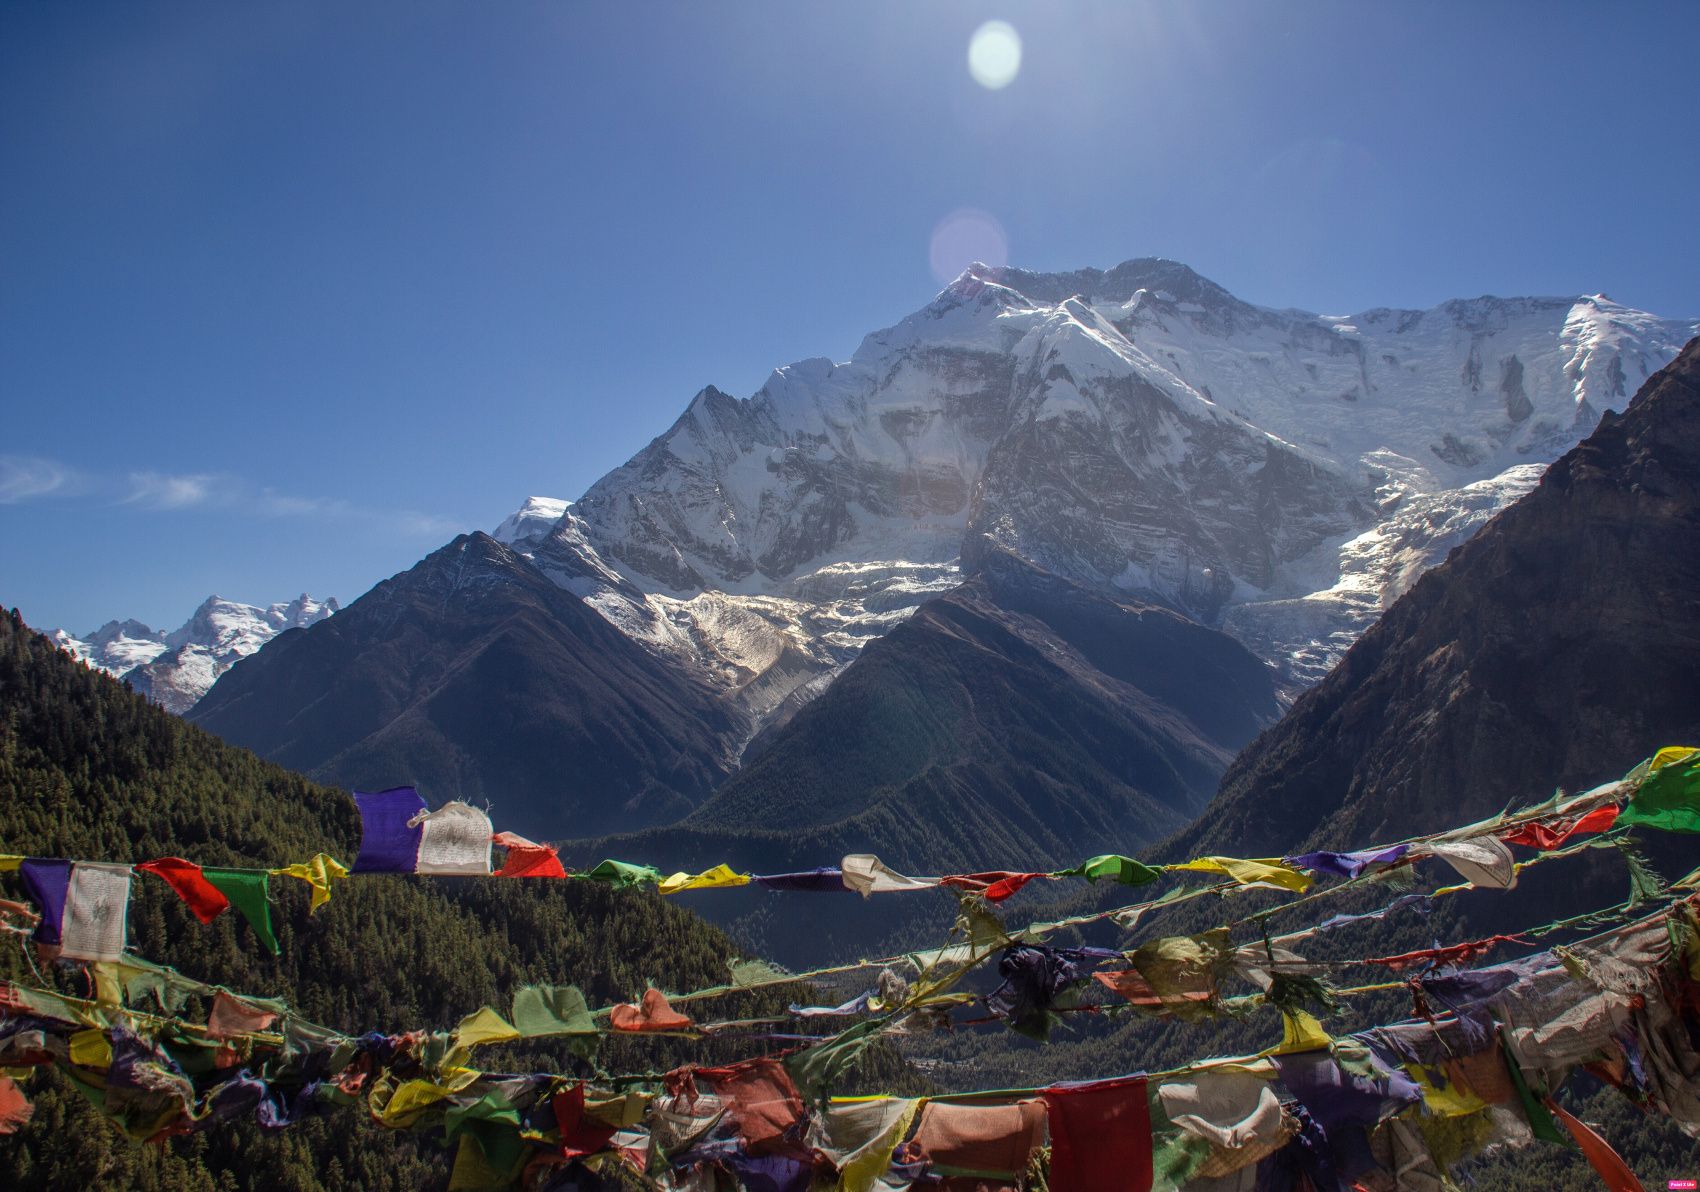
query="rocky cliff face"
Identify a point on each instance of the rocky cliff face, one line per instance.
(1556, 648)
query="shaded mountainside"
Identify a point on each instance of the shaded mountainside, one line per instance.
(90, 770)
(476, 678)
(1017, 720)
(1557, 648)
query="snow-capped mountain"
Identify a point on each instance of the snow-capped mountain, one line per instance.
(176, 669)
(1141, 431)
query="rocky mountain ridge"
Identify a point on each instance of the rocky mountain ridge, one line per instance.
(176, 668)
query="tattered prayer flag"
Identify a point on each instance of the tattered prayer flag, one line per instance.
(1250, 873)
(994, 1141)
(231, 1018)
(993, 887)
(1669, 796)
(1115, 867)
(15, 1108)
(1451, 954)
(247, 891)
(867, 874)
(482, 1026)
(389, 835)
(1100, 1136)
(204, 899)
(1137, 990)
(454, 840)
(319, 873)
(1550, 835)
(861, 1138)
(551, 1010)
(1483, 861)
(623, 873)
(760, 1098)
(85, 906)
(651, 1014)
(718, 878)
(1348, 864)
(527, 858)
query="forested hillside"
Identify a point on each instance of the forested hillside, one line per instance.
(89, 770)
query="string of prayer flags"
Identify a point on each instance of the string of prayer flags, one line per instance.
(719, 878)
(84, 906)
(527, 858)
(1669, 796)
(248, 891)
(652, 1013)
(1349, 865)
(1113, 867)
(1250, 873)
(205, 900)
(1483, 861)
(318, 873)
(867, 874)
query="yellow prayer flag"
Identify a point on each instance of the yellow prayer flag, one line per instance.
(405, 1101)
(319, 873)
(1248, 873)
(91, 1049)
(1672, 755)
(720, 877)
(9, 862)
(1301, 1032)
(482, 1026)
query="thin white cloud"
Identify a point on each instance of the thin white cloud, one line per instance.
(162, 491)
(26, 478)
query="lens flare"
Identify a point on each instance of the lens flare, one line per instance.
(964, 237)
(994, 55)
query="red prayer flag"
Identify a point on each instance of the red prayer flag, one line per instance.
(651, 1014)
(761, 1099)
(1550, 836)
(527, 858)
(580, 1134)
(205, 900)
(1614, 1173)
(15, 1108)
(1452, 954)
(1100, 1136)
(993, 887)
(231, 1019)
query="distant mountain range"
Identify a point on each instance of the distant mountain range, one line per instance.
(1136, 441)
(177, 668)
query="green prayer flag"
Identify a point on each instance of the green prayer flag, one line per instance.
(817, 1070)
(552, 1010)
(623, 873)
(1125, 870)
(1669, 798)
(246, 889)
(1540, 1121)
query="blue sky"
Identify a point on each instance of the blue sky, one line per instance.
(292, 293)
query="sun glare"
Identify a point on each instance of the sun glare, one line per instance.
(994, 55)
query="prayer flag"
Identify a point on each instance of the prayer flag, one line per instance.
(993, 887)
(1483, 861)
(1546, 836)
(1100, 1136)
(204, 899)
(454, 840)
(1669, 796)
(84, 906)
(622, 874)
(319, 873)
(829, 878)
(651, 1014)
(1250, 873)
(1349, 864)
(1115, 867)
(232, 1018)
(867, 874)
(527, 858)
(247, 891)
(718, 878)
(389, 831)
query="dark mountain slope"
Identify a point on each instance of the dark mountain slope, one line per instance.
(1017, 720)
(1556, 648)
(484, 680)
(91, 770)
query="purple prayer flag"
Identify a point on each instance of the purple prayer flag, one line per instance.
(828, 878)
(1349, 864)
(49, 883)
(387, 844)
